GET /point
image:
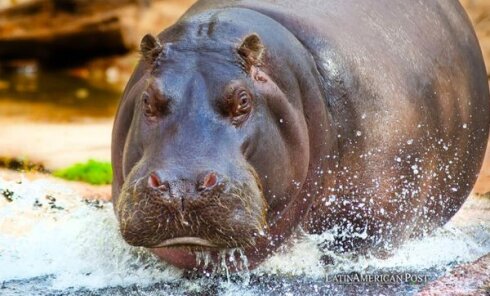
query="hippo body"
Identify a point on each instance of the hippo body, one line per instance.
(368, 119)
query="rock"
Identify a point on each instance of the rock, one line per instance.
(467, 279)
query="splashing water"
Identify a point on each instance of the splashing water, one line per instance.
(51, 241)
(74, 243)
(232, 257)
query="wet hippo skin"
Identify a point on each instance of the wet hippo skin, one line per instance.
(247, 120)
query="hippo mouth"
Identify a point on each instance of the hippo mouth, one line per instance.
(187, 241)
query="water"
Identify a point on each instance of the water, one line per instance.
(54, 243)
(55, 96)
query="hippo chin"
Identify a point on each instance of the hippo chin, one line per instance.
(247, 120)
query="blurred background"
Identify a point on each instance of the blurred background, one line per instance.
(63, 67)
(64, 64)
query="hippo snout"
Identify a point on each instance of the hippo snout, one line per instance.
(209, 211)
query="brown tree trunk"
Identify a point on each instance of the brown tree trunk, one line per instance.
(68, 30)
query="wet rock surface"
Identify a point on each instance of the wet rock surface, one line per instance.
(258, 285)
(467, 279)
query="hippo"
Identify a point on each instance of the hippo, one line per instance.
(247, 122)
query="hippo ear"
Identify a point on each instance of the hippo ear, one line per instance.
(251, 51)
(150, 48)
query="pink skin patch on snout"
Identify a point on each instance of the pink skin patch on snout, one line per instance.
(155, 182)
(210, 180)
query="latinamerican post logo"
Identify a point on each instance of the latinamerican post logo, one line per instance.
(385, 278)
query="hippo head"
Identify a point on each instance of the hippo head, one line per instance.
(210, 151)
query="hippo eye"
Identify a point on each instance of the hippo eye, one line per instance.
(243, 101)
(154, 105)
(240, 106)
(147, 108)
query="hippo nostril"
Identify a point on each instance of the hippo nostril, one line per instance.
(209, 181)
(156, 183)
(153, 181)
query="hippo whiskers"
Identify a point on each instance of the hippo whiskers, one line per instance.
(248, 119)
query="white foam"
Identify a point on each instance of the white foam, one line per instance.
(447, 246)
(80, 246)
